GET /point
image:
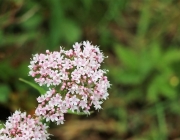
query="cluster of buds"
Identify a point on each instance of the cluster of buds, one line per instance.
(74, 78)
(19, 126)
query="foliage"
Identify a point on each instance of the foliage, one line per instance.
(142, 41)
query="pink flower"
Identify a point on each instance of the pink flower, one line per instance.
(22, 127)
(75, 78)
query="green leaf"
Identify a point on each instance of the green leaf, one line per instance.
(4, 93)
(77, 113)
(168, 91)
(160, 86)
(129, 78)
(1, 125)
(154, 89)
(170, 57)
(155, 52)
(146, 64)
(40, 89)
(126, 56)
(126, 77)
(152, 92)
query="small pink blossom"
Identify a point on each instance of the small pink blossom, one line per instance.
(19, 126)
(75, 78)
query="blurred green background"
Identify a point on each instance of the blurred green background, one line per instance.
(142, 40)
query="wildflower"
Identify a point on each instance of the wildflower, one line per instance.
(19, 126)
(75, 79)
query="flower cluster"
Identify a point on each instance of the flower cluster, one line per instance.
(19, 126)
(74, 78)
(76, 83)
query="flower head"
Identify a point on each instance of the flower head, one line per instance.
(19, 126)
(75, 79)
